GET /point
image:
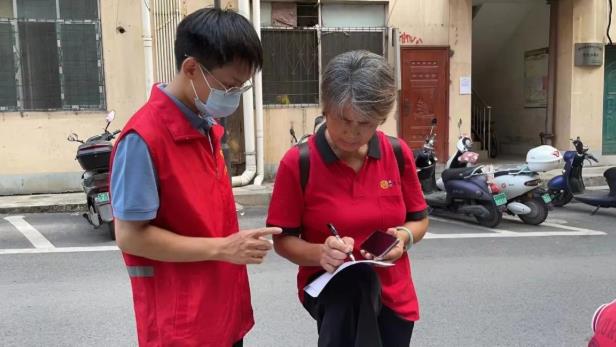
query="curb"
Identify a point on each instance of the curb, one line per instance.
(62, 208)
(247, 199)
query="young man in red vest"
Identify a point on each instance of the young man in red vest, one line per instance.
(176, 222)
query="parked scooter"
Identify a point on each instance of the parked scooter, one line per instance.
(93, 155)
(467, 190)
(521, 186)
(570, 184)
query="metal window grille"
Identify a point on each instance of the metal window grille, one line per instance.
(335, 41)
(51, 55)
(166, 15)
(290, 66)
(292, 62)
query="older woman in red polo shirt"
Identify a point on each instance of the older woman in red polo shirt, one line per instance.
(354, 182)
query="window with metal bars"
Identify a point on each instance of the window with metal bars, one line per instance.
(292, 62)
(51, 55)
(165, 15)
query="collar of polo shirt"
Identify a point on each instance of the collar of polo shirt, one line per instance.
(328, 155)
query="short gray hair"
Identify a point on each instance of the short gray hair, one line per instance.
(361, 80)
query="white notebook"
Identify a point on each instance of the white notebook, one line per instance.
(315, 287)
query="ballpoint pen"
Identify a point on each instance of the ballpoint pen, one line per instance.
(334, 232)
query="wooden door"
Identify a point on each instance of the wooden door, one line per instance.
(425, 96)
(609, 102)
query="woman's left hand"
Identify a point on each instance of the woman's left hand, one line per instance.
(394, 254)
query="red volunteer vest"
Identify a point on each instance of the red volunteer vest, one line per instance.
(187, 304)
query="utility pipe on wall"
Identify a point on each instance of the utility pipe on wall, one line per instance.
(249, 122)
(147, 46)
(258, 86)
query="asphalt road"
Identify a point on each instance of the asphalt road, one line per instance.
(516, 286)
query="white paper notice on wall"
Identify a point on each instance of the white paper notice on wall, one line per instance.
(465, 85)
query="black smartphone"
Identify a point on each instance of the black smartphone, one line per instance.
(379, 243)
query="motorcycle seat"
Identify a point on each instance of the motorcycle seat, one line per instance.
(600, 198)
(610, 177)
(457, 174)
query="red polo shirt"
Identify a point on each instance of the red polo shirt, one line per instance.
(604, 326)
(375, 198)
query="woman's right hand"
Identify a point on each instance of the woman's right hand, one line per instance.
(334, 252)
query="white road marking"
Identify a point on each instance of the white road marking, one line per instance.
(513, 234)
(558, 226)
(556, 221)
(58, 250)
(496, 233)
(456, 222)
(34, 236)
(44, 246)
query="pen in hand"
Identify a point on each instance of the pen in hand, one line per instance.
(335, 233)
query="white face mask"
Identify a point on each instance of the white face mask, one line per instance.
(220, 103)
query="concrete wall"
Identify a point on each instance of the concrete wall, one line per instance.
(500, 80)
(579, 91)
(34, 153)
(37, 158)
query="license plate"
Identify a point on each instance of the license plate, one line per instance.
(500, 199)
(102, 197)
(547, 198)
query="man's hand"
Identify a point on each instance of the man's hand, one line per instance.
(247, 246)
(395, 253)
(334, 252)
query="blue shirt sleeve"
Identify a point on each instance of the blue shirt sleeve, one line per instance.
(134, 188)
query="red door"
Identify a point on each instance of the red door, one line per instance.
(425, 96)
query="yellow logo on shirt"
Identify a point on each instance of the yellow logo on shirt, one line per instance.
(386, 184)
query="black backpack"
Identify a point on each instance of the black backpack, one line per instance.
(304, 159)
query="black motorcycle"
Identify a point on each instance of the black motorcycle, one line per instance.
(570, 185)
(93, 156)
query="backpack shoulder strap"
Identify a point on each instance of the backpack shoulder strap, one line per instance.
(395, 144)
(304, 159)
(304, 163)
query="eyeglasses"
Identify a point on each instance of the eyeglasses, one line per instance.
(233, 90)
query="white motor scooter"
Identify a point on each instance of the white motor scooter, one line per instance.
(525, 197)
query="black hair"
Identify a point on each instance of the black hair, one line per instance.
(217, 37)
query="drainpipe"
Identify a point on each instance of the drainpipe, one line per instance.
(256, 22)
(395, 33)
(548, 132)
(147, 46)
(249, 122)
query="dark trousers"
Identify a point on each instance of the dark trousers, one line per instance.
(239, 343)
(349, 313)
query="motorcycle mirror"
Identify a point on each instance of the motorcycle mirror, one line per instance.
(293, 137)
(110, 116)
(317, 122)
(72, 137)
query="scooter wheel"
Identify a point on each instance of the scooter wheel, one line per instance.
(560, 197)
(538, 212)
(110, 228)
(494, 219)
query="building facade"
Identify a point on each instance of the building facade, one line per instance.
(511, 68)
